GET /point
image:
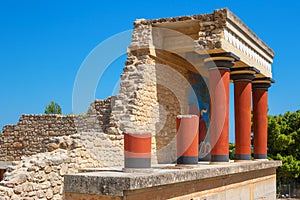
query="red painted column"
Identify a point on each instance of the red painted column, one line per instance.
(219, 80)
(137, 150)
(260, 119)
(242, 111)
(187, 135)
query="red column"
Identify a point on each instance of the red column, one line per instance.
(219, 80)
(187, 127)
(219, 88)
(242, 111)
(260, 119)
(137, 150)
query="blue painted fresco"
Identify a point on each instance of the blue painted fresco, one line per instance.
(199, 100)
(199, 95)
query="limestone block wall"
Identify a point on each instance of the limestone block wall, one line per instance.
(98, 117)
(137, 96)
(135, 108)
(135, 104)
(33, 133)
(107, 149)
(46, 147)
(40, 176)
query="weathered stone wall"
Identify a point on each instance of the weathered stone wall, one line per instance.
(40, 176)
(107, 149)
(98, 118)
(38, 173)
(134, 108)
(43, 148)
(33, 133)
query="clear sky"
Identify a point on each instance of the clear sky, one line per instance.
(43, 44)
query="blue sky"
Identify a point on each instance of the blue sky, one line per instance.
(43, 44)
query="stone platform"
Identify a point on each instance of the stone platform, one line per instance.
(238, 180)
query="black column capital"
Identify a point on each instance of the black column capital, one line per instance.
(219, 62)
(242, 77)
(261, 86)
(243, 74)
(262, 83)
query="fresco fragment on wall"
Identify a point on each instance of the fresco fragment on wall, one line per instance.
(199, 101)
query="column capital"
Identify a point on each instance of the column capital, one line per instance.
(243, 74)
(220, 61)
(262, 83)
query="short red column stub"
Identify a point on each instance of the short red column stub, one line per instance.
(187, 138)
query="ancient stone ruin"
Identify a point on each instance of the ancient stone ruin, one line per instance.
(175, 66)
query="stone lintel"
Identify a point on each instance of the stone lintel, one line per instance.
(246, 30)
(114, 183)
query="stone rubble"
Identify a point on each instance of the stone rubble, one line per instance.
(40, 176)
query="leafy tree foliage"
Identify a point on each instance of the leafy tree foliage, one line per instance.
(53, 108)
(232, 151)
(284, 143)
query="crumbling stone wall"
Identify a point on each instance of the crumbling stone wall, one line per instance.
(136, 105)
(98, 117)
(45, 147)
(33, 133)
(40, 176)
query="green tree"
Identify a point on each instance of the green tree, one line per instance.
(53, 108)
(284, 143)
(231, 151)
